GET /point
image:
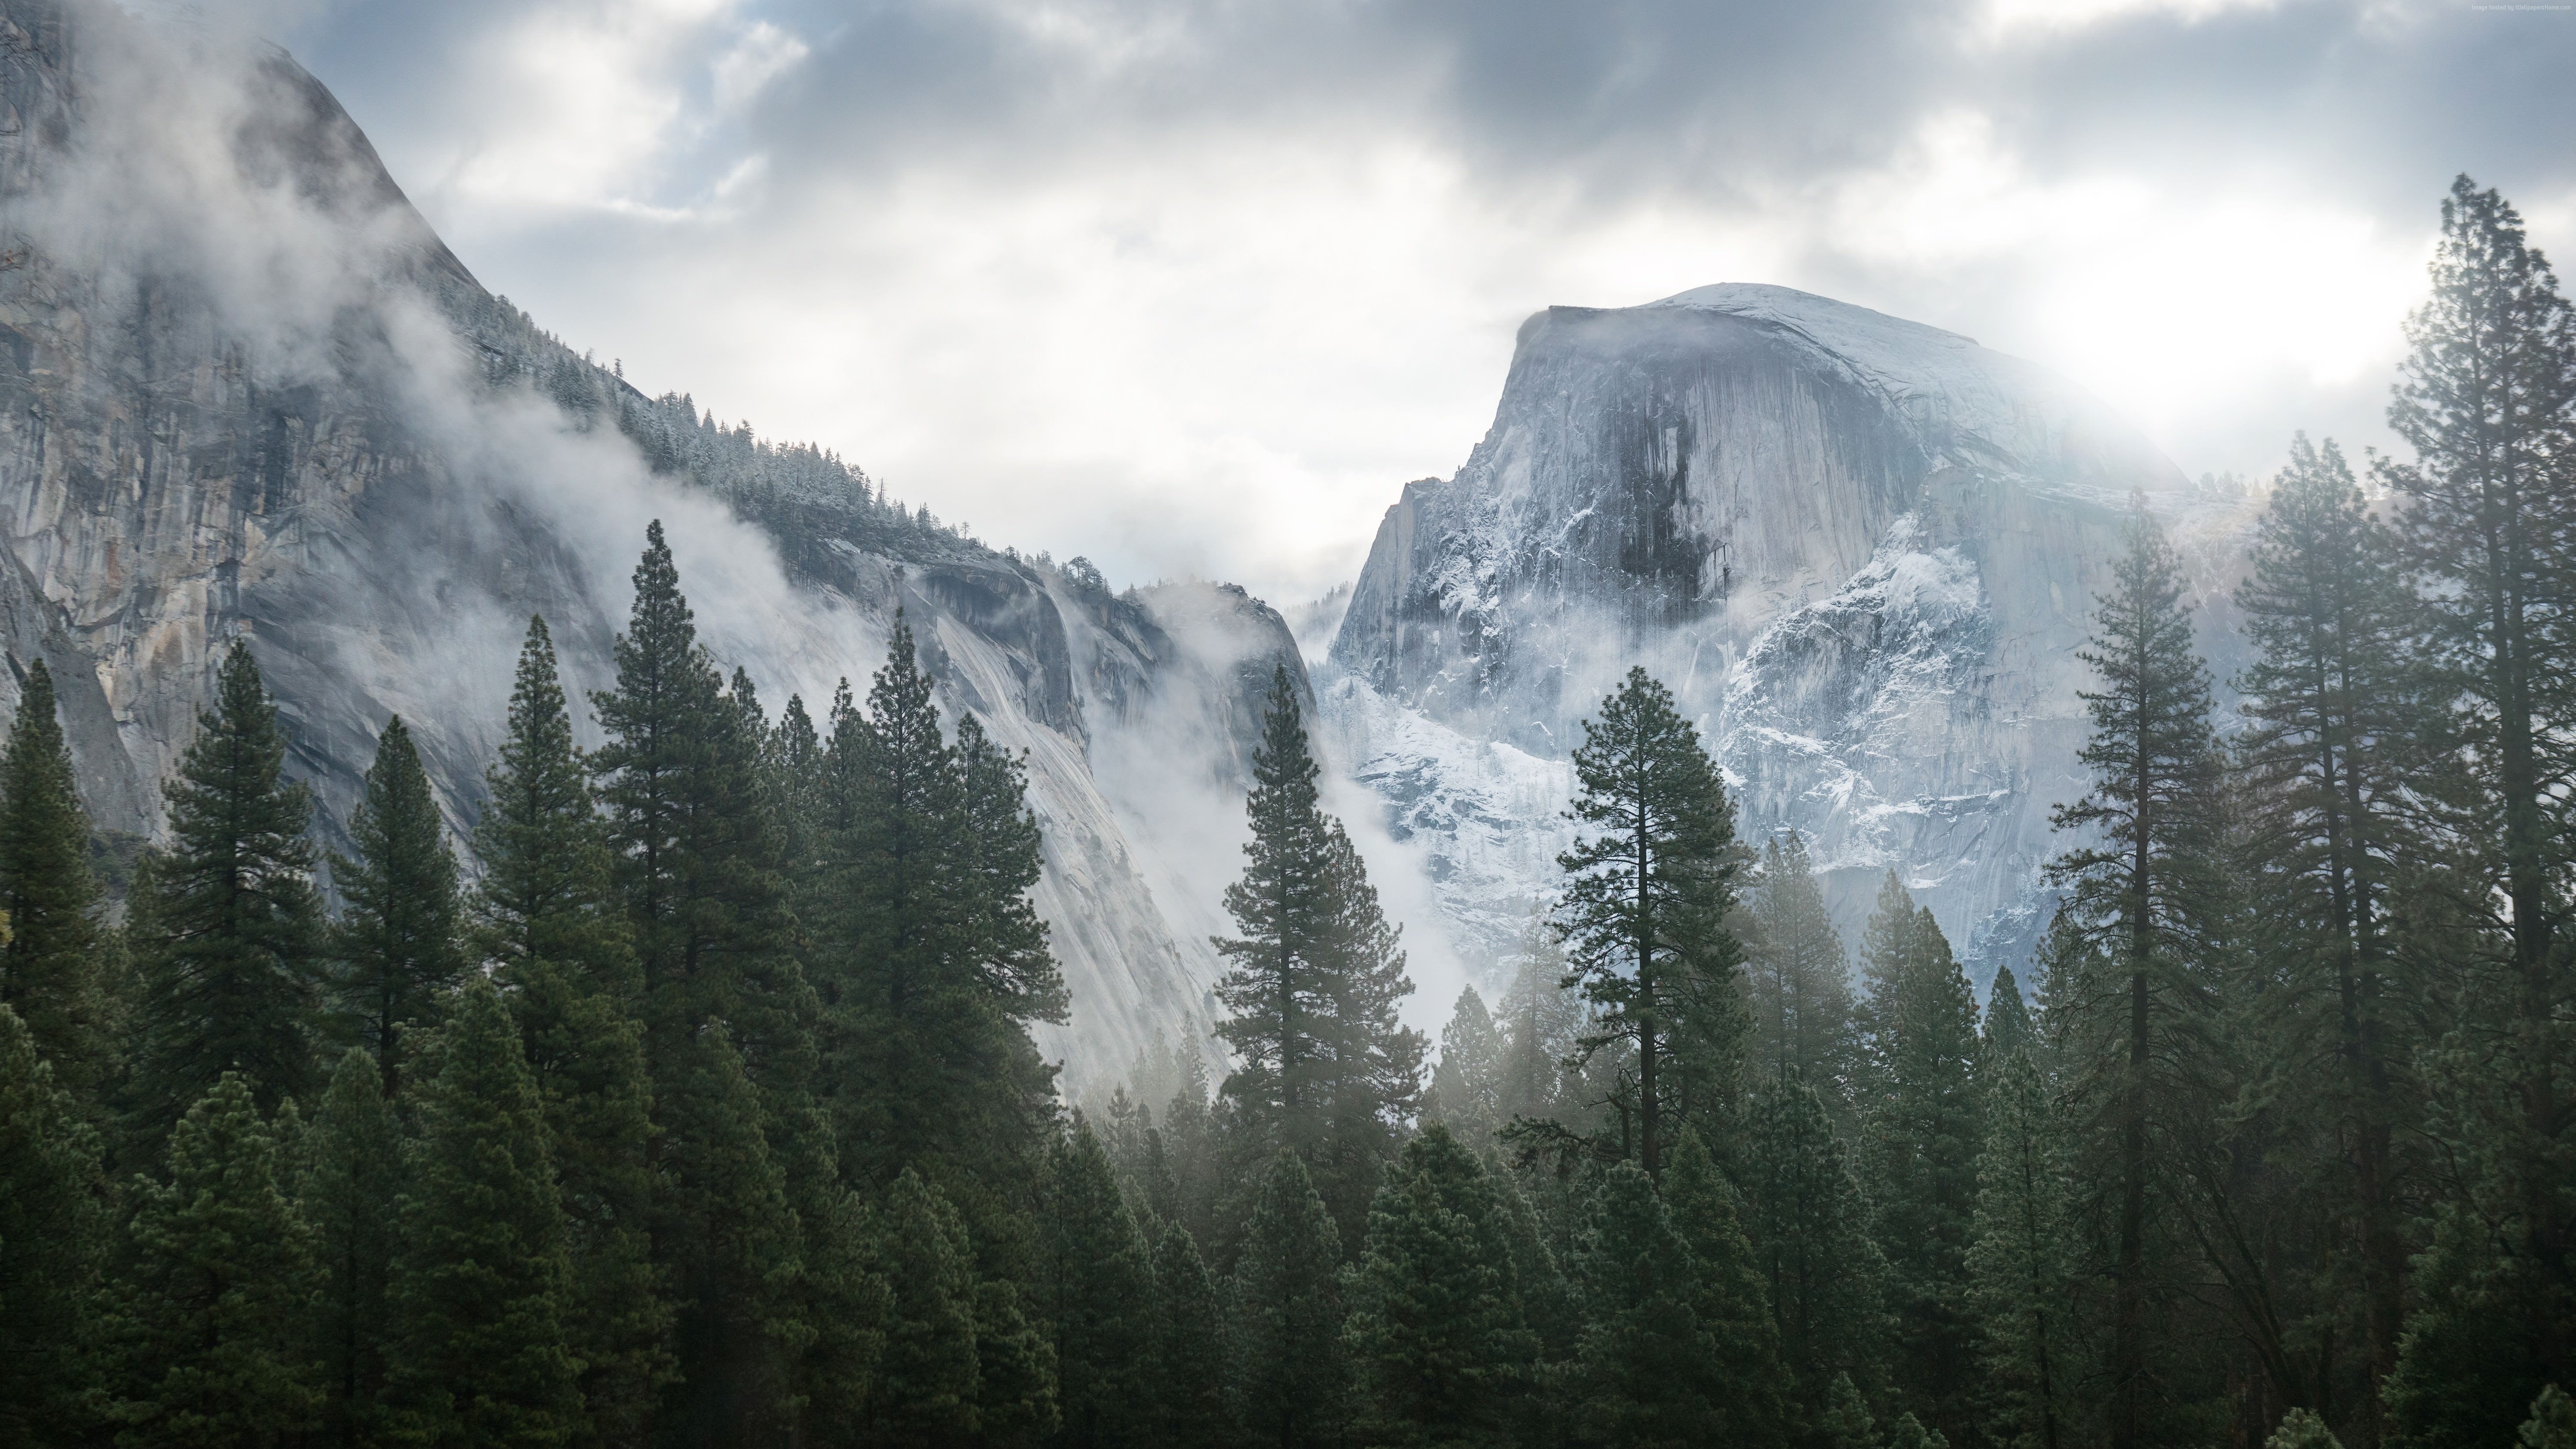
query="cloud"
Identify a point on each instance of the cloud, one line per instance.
(1192, 286)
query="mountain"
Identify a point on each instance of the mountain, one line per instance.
(246, 392)
(1862, 551)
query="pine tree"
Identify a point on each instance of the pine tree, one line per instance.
(2017, 1262)
(1276, 982)
(1435, 1329)
(1289, 1377)
(927, 1388)
(2488, 405)
(397, 945)
(1547, 1299)
(2552, 1424)
(1809, 1224)
(1099, 1295)
(2334, 774)
(727, 1018)
(233, 928)
(1190, 1147)
(2143, 895)
(2008, 1027)
(49, 962)
(692, 853)
(1923, 1127)
(543, 914)
(1010, 953)
(1543, 1021)
(1373, 1086)
(726, 1237)
(1648, 1367)
(1466, 1085)
(482, 1281)
(2300, 1429)
(350, 1186)
(1188, 1350)
(1324, 1068)
(1015, 1370)
(1646, 900)
(930, 963)
(1846, 1423)
(850, 1308)
(1734, 1310)
(545, 919)
(1798, 977)
(52, 1242)
(213, 1310)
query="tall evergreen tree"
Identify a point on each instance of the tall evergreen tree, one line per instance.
(931, 964)
(1099, 1296)
(1435, 1330)
(1734, 1310)
(2334, 771)
(1276, 980)
(1799, 978)
(1649, 1368)
(1289, 1379)
(1187, 1357)
(1543, 1022)
(2552, 1424)
(212, 1312)
(1646, 899)
(927, 1390)
(849, 1308)
(1324, 1068)
(231, 932)
(727, 1238)
(2007, 1025)
(351, 1185)
(53, 1239)
(1466, 1086)
(1923, 1129)
(1374, 1084)
(546, 921)
(688, 829)
(727, 1017)
(1009, 943)
(2018, 1266)
(2487, 403)
(482, 1282)
(2142, 894)
(1809, 1224)
(49, 962)
(398, 946)
(1015, 1370)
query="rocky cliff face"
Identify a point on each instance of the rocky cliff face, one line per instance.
(245, 392)
(1861, 551)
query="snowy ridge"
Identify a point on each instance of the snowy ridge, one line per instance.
(1487, 818)
(1863, 553)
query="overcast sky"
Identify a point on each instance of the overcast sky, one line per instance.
(1193, 288)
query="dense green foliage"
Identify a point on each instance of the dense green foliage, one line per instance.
(710, 1114)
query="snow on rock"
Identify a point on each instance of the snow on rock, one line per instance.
(1863, 553)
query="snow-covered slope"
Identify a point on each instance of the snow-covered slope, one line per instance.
(246, 392)
(1862, 552)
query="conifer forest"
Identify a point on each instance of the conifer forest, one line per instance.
(690, 1099)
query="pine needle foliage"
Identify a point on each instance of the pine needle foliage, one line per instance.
(1644, 910)
(53, 1242)
(483, 1281)
(398, 946)
(50, 958)
(229, 928)
(211, 1316)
